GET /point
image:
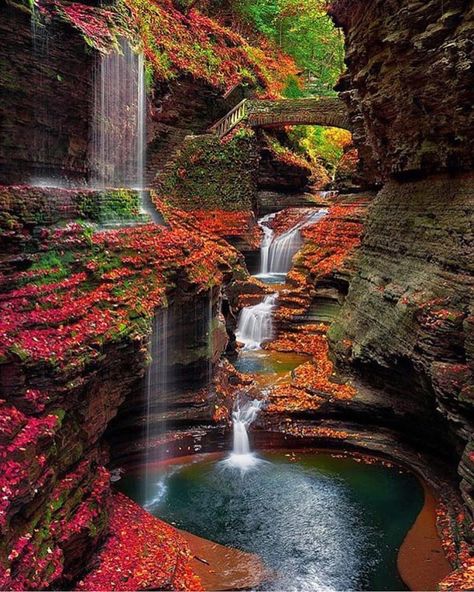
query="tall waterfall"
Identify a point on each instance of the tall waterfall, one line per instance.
(118, 139)
(156, 391)
(255, 324)
(276, 253)
(242, 417)
(210, 336)
(41, 142)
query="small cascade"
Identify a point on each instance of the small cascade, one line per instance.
(41, 142)
(242, 417)
(331, 194)
(266, 242)
(255, 324)
(210, 336)
(276, 253)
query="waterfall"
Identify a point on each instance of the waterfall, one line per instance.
(118, 139)
(276, 253)
(41, 142)
(331, 194)
(255, 324)
(242, 417)
(210, 335)
(266, 242)
(156, 391)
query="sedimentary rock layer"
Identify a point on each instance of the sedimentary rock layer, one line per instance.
(409, 82)
(406, 324)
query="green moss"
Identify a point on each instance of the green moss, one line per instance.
(213, 174)
(58, 264)
(112, 205)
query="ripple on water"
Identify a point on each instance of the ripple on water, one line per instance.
(322, 523)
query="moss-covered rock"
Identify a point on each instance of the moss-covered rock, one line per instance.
(209, 173)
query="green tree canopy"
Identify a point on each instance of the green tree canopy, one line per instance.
(302, 29)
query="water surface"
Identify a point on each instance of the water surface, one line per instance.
(321, 522)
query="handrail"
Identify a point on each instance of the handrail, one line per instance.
(229, 121)
(325, 111)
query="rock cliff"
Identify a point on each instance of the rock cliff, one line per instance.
(406, 324)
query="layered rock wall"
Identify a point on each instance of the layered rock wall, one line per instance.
(409, 82)
(45, 90)
(406, 325)
(76, 310)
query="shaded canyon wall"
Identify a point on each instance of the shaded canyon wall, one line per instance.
(407, 323)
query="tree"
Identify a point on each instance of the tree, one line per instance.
(302, 29)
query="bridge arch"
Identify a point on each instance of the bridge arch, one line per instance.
(267, 113)
(324, 111)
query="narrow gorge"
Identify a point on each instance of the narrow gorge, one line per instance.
(236, 303)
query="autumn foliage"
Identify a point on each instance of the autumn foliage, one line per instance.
(311, 383)
(329, 246)
(117, 277)
(141, 553)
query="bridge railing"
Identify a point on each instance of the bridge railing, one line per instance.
(325, 111)
(229, 121)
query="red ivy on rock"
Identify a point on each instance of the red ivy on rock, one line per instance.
(141, 553)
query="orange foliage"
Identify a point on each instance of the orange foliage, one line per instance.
(311, 431)
(329, 245)
(311, 383)
(330, 242)
(214, 223)
(191, 43)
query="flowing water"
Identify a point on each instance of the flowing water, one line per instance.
(41, 139)
(181, 335)
(118, 139)
(320, 522)
(255, 325)
(156, 389)
(241, 456)
(118, 145)
(277, 252)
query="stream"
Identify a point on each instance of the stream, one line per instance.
(319, 521)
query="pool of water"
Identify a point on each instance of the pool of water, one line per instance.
(272, 278)
(320, 522)
(265, 362)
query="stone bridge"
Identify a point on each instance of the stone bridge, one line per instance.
(325, 111)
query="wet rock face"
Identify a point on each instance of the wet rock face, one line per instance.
(409, 82)
(407, 321)
(45, 90)
(186, 358)
(279, 172)
(406, 324)
(408, 306)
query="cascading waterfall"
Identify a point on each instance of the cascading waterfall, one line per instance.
(118, 140)
(118, 147)
(242, 417)
(156, 391)
(276, 253)
(41, 142)
(255, 324)
(210, 335)
(141, 124)
(266, 242)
